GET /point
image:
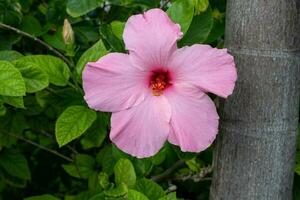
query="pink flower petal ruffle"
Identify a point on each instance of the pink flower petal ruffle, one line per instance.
(142, 130)
(112, 84)
(208, 68)
(151, 38)
(194, 120)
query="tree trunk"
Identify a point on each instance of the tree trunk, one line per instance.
(255, 151)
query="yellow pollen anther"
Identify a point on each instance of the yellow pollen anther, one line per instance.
(158, 85)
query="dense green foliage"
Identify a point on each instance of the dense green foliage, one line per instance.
(52, 146)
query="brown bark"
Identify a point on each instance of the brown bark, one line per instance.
(255, 151)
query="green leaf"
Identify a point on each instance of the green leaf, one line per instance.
(85, 164)
(2, 110)
(55, 39)
(15, 164)
(17, 102)
(100, 196)
(106, 160)
(35, 78)
(10, 55)
(118, 153)
(217, 31)
(86, 34)
(13, 122)
(151, 189)
(103, 179)
(201, 6)
(82, 168)
(170, 196)
(25, 5)
(298, 139)
(72, 123)
(159, 157)
(76, 8)
(182, 12)
(199, 29)
(184, 155)
(96, 134)
(135, 195)
(118, 191)
(11, 180)
(218, 27)
(85, 195)
(58, 100)
(297, 169)
(133, 3)
(42, 197)
(31, 25)
(92, 54)
(93, 138)
(10, 39)
(5, 139)
(11, 81)
(124, 173)
(93, 183)
(71, 170)
(32, 106)
(10, 12)
(118, 28)
(107, 34)
(193, 165)
(142, 166)
(56, 69)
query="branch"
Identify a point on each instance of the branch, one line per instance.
(69, 147)
(52, 138)
(201, 176)
(42, 147)
(168, 172)
(5, 26)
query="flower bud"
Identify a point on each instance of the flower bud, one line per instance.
(67, 33)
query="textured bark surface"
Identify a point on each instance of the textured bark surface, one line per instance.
(254, 155)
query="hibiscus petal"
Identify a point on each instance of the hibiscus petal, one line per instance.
(194, 120)
(151, 38)
(112, 84)
(209, 68)
(142, 130)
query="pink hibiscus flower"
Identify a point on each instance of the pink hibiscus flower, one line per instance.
(156, 92)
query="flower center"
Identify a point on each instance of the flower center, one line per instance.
(159, 81)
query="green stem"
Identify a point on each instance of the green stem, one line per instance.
(41, 147)
(50, 48)
(168, 172)
(49, 135)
